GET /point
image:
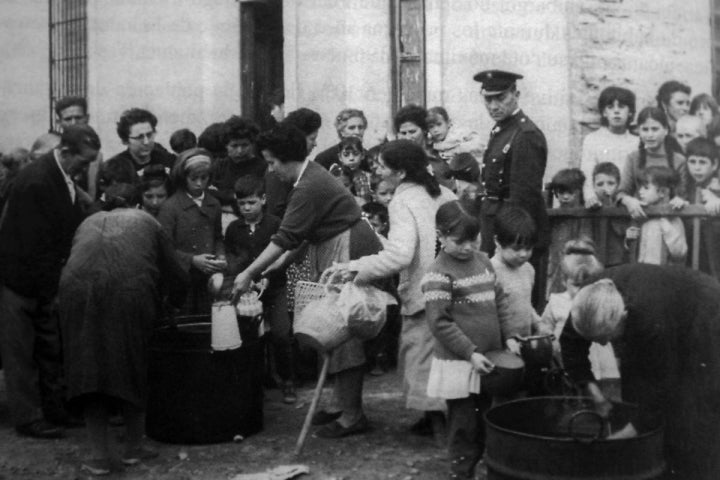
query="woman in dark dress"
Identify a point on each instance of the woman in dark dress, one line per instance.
(323, 213)
(664, 324)
(109, 301)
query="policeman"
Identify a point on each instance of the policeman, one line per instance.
(513, 164)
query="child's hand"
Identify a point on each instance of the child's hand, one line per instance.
(632, 233)
(634, 206)
(678, 203)
(513, 345)
(711, 202)
(481, 363)
(593, 202)
(208, 264)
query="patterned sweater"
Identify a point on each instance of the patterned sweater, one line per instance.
(463, 305)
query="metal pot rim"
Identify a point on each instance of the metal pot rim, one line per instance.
(489, 424)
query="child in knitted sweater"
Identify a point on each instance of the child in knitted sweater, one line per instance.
(463, 304)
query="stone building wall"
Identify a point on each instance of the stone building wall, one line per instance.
(637, 44)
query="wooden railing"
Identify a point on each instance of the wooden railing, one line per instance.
(603, 216)
(599, 219)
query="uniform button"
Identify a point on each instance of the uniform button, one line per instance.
(483, 184)
(494, 160)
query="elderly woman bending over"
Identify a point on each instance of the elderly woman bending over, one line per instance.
(664, 323)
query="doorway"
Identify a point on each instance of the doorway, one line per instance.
(261, 57)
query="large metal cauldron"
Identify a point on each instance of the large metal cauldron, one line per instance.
(560, 438)
(198, 395)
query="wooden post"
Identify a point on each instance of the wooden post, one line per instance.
(313, 404)
(695, 261)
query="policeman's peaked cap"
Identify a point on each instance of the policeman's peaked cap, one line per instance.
(495, 82)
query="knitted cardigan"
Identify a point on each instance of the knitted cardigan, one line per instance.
(463, 305)
(410, 249)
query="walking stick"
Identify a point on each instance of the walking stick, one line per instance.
(313, 404)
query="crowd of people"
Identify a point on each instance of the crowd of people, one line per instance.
(94, 251)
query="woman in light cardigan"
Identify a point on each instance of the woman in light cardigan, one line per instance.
(410, 250)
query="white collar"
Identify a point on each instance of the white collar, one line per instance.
(68, 180)
(57, 161)
(302, 170)
(197, 200)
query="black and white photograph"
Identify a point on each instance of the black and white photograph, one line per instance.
(360, 239)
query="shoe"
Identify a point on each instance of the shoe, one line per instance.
(97, 466)
(323, 418)
(335, 430)
(40, 429)
(288, 393)
(137, 455)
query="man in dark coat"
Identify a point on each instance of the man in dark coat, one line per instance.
(513, 164)
(36, 231)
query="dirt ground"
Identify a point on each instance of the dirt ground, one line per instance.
(388, 451)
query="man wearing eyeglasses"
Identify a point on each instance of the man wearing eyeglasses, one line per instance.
(136, 129)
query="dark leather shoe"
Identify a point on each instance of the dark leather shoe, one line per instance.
(323, 418)
(40, 429)
(335, 430)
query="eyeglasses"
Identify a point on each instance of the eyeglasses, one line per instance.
(143, 136)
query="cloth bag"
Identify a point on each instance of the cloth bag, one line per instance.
(364, 309)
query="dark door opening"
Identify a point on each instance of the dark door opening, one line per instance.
(261, 57)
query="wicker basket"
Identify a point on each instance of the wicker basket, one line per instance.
(306, 292)
(324, 328)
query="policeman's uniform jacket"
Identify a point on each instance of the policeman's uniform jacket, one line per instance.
(513, 169)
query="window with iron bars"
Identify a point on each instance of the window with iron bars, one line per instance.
(68, 51)
(408, 52)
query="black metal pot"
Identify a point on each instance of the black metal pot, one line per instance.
(198, 395)
(553, 438)
(506, 377)
(537, 350)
